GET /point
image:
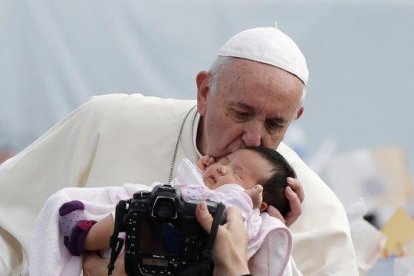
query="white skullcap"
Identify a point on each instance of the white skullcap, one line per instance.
(268, 45)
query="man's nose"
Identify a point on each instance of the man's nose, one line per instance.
(253, 135)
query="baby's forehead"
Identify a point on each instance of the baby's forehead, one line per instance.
(241, 154)
(249, 158)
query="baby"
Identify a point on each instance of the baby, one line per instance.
(251, 178)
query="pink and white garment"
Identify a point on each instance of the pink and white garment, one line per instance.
(189, 181)
(270, 242)
(269, 238)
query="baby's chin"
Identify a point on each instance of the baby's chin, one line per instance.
(210, 183)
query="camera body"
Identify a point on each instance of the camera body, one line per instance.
(163, 236)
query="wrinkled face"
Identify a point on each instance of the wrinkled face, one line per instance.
(253, 104)
(244, 167)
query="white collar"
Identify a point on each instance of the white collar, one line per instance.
(196, 125)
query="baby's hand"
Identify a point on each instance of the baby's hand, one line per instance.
(256, 194)
(204, 162)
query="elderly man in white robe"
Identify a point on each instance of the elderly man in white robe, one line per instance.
(250, 95)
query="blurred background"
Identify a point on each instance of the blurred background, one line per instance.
(356, 131)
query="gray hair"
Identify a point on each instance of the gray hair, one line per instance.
(221, 64)
(217, 69)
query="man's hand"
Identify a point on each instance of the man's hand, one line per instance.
(294, 193)
(93, 265)
(230, 246)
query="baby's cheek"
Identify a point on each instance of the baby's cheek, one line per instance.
(228, 179)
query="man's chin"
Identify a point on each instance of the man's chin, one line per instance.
(219, 154)
(234, 148)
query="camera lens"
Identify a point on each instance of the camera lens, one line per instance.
(164, 209)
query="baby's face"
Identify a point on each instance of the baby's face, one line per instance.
(244, 167)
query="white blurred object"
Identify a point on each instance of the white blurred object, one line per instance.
(404, 266)
(393, 266)
(408, 248)
(368, 241)
(322, 156)
(296, 139)
(380, 176)
(354, 175)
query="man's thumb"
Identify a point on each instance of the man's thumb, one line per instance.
(203, 216)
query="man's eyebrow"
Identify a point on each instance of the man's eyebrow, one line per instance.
(251, 109)
(244, 106)
(277, 119)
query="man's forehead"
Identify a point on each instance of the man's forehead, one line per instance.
(254, 77)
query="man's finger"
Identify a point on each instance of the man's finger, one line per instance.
(294, 200)
(272, 211)
(203, 216)
(94, 265)
(234, 220)
(295, 206)
(295, 185)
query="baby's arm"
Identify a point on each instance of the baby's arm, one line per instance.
(204, 162)
(98, 236)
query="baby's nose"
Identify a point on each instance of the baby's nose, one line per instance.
(221, 170)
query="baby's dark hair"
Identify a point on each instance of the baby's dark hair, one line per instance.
(274, 187)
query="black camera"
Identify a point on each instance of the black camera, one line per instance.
(162, 234)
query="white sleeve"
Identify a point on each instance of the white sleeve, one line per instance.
(292, 269)
(54, 161)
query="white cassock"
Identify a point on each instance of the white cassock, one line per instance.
(119, 138)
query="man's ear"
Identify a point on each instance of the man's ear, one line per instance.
(203, 87)
(299, 113)
(263, 206)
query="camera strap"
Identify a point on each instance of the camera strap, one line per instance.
(116, 242)
(218, 218)
(205, 266)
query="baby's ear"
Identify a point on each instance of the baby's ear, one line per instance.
(263, 206)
